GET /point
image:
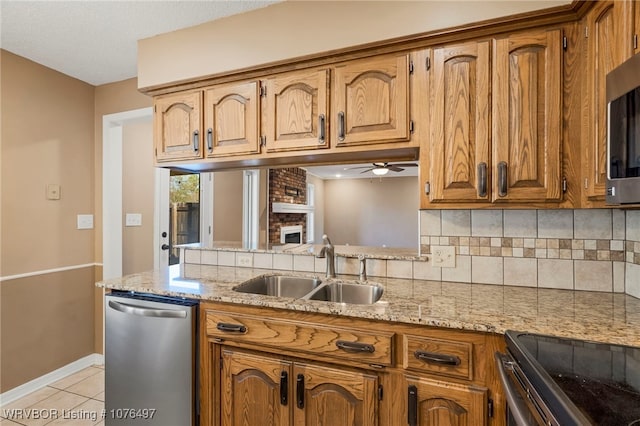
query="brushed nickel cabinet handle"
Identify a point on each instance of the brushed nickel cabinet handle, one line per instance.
(210, 139)
(341, 130)
(482, 180)
(196, 141)
(322, 122)
(502, 179)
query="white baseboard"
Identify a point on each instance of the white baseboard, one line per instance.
(42, 381)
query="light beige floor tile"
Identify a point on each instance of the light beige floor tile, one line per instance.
(76, 377)
(55, 404)
(89, 387)
(88, 413)
(31, 398)
(99, 397)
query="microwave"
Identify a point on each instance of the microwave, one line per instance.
(623, 133)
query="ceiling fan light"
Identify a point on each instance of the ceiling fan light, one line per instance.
(380, 171)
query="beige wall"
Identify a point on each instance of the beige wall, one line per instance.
(109, 99)
(46, 320)
(372, 212)
(138, 190)
(227, 206)
(292, 29)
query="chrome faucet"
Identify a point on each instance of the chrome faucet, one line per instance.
(328, 252)
(363, 267)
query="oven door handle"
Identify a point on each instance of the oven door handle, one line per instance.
(516, 405)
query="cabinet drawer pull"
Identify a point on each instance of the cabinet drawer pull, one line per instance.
(412, 417)
(502, 179)
(322, 129)
(210, 139)
(284, 388)
(355, 346)
(482, 179)
(196, 141)
(300, 391)
(231, 328)
(341, 131)
(436, 358)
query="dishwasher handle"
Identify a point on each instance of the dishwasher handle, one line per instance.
(145, 311)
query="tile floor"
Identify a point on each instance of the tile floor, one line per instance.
(76, 400)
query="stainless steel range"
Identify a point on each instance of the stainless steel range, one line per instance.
(557, 381)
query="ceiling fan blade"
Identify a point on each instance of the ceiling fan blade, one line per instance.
(395, 168)
(406, 165)
(354, 168)
(368, 170)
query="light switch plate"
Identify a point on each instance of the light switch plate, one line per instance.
(85, 221)
(443, 256)
(133, 219)
(53, 191)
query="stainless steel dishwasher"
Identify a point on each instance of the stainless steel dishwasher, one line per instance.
(150, 360)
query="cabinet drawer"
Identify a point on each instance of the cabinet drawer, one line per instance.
(339, 343)
(442, 357)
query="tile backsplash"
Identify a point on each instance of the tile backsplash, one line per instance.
(594, 249)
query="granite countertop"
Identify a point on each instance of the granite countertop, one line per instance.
(602, 317)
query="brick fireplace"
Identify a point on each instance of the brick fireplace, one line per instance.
(286, 185)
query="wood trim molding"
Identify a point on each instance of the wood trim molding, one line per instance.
(544, 17)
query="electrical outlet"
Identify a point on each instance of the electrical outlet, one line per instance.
(85, 221)
(244, 260)
(443, 256)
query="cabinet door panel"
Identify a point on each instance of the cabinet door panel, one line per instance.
(447, 404)
(176, 124)
(251, 390)
(609, 44)
(231, 119)
(336, 397)
(460, 122)
(371, 101)
(297, 111)
(527, 117)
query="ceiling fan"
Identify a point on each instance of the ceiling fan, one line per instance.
(381, 169)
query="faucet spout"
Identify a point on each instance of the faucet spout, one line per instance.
(328, 251)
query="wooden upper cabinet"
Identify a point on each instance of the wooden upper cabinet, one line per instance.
(231, 119)
(371, 101)
(251, 390)
(334, 397)
(459, 123)
(636, 26)
(177, 126)
(609, 39)
(527, 117)
(296, 111)
(435, 403)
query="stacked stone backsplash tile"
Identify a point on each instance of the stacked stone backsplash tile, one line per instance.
(286, 185)
(592, 249)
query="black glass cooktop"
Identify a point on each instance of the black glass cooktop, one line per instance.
(602, 381)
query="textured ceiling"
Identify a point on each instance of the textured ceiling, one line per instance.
(96, 41)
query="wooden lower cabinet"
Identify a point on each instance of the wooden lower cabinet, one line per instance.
(437, 403)
(258, 389)
(252, 391)
(278, 367)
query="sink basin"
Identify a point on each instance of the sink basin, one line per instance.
(279, 285)
(360, 294)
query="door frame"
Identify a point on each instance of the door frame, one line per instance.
(112, 125)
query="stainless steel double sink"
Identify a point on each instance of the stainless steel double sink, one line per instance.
(311, 289)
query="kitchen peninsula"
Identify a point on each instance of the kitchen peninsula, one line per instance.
(461, 324)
